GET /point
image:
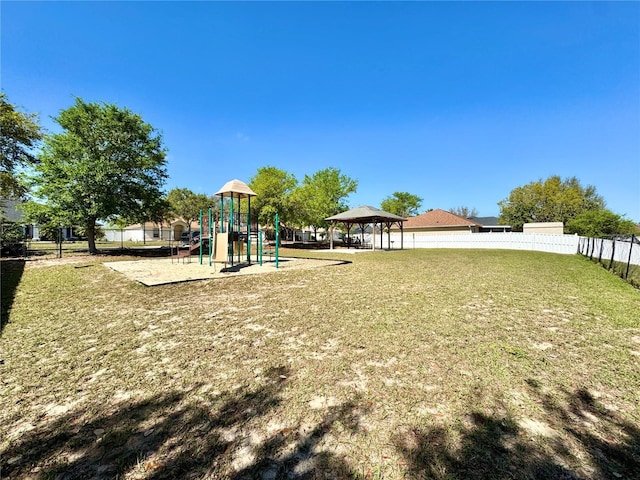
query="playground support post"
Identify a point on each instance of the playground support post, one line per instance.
(239, 231)
(249, 238)
(249, 230)
(221, 215)
(200, 249)
(277, 238)
(210, 235)
(231, 227)
(260, 246)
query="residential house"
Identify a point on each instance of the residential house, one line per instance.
(147, 232)
(439, 222)
(544, 227)
(490, 224)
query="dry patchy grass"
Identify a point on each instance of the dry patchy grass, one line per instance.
(416, 364)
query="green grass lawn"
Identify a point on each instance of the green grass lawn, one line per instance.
(444, 364)
(45, 248)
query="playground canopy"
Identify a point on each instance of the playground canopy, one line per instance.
(236, 189)
(366, 215)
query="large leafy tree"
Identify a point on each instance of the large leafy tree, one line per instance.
(187, 205)
(404, 204)
(273, 188)
(19, 134)
(550, 200)
(322, 195)
(106, 164)
(600, 223)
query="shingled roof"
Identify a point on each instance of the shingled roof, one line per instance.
(438, 218)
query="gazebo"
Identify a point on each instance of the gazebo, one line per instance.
(366, 215)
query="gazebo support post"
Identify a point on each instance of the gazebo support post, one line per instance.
(331, 236)
(373, 236)
(388, 225)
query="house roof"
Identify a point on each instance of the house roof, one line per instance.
(236, 187)
(9, 211)
(365, 214)
(438, 218)
(487, 221)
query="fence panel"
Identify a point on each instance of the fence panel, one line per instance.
(620, 254)
(541, 242)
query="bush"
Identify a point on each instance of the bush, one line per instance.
(600, 223)
(11, 239)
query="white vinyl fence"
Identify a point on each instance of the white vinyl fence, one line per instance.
(622, 249)
(620, 254)
(138, 235)
(541, 242)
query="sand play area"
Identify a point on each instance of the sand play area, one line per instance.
(161, 271)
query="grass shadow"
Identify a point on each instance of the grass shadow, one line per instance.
(491, 447)
(162, 251)
(171, 436)
(10, 274)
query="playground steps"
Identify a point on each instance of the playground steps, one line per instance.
(187, 253)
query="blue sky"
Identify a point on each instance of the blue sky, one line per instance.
(457, 103)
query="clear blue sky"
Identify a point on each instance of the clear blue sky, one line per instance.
(458, 103)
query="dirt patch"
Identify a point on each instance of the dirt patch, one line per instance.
(50, 262)
(165, 270)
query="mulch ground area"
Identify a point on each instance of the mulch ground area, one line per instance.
(165, 270)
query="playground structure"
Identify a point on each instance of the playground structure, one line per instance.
(231, 234)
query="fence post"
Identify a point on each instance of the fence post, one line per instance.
(593, 242)
(613, 252)
(600, 255)
(626, 275)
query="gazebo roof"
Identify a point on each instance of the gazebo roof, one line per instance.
(365, 214)
(236, 188)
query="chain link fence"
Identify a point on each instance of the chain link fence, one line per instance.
(619, 254)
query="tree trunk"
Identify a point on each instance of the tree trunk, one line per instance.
(91, 235)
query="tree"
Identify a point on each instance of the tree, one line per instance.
(42, 215)
(322, 195)
(464, 211)
(600, 223)
(187, 205)
(106, 164)
(19, 134)
(403, 204)
(11, 238)
(273, 188)
(551, 200)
